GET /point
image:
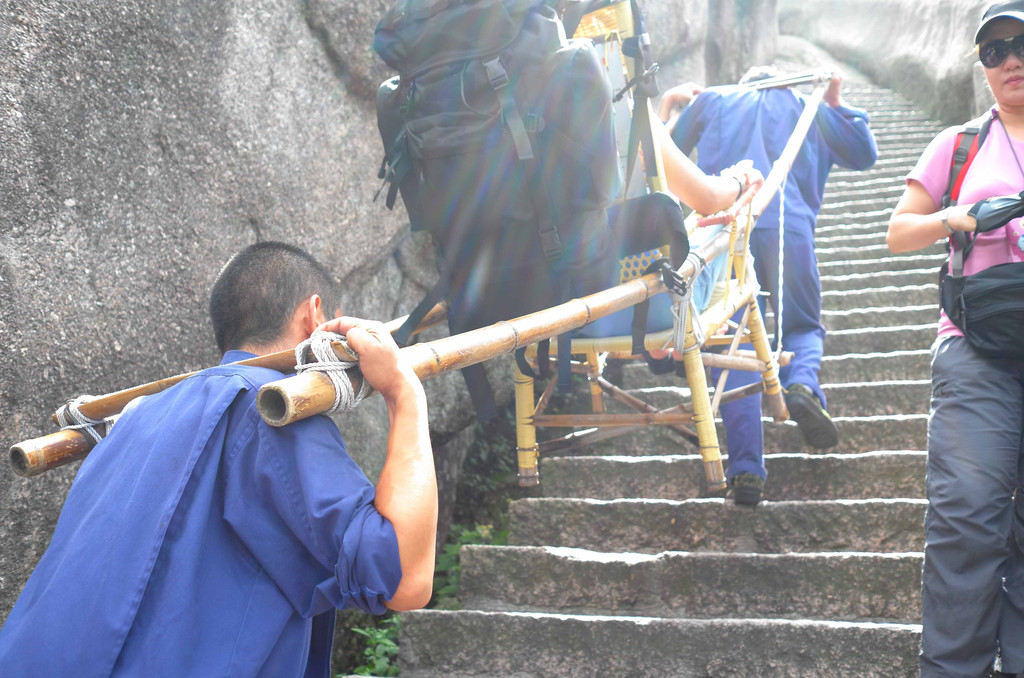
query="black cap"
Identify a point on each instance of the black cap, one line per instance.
(1007, 9)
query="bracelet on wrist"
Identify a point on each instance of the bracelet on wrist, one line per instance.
(943, 216)
(742, 186)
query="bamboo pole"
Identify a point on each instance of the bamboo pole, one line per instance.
(32, 457)
(287, 400)
(802, 78)
(780, 168)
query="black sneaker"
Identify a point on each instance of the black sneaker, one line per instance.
(815, 423)
(746, 488)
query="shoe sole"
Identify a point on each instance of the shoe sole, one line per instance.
(746, 495)
(817, 429)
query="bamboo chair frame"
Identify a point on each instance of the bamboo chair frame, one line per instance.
(693, 419)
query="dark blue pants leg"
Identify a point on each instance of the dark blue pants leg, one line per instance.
(744, 432)
(802, 331)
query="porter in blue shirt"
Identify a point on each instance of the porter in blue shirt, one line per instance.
(197, 540)
(732, 123)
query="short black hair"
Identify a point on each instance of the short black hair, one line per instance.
(260, 287)
(758, 73)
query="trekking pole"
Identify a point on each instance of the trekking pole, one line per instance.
(32, 457)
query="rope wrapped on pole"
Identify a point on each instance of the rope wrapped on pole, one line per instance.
(74, 442)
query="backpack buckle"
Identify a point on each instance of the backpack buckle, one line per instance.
(496, 73)
(550, 243)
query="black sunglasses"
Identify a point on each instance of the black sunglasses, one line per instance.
(994, 52)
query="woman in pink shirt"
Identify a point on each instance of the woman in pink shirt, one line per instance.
(973, 576)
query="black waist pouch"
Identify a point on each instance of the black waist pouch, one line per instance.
(988, 307)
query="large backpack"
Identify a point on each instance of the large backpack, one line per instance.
(498, 135)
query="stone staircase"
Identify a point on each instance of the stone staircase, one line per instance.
(622, 568)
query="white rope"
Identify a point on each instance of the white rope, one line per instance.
(70, 417)
(782, 253)
(328, 362)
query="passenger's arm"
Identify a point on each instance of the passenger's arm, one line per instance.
(916, 222)
(705, 193)
(407, 488)
(676, 99)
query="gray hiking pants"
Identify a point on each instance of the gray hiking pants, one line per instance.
(973, 577)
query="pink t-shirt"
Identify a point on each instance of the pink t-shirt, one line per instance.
(994, 172)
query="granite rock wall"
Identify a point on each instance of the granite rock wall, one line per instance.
(141, 144)
(921, 48)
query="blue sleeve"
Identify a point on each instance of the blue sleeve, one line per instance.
(846, 133)
(305, 510)
(691, 122)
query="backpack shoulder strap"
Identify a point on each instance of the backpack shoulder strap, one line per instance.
(969, 139)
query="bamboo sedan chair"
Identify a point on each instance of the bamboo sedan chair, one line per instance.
(711, 339)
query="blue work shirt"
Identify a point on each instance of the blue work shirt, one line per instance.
(197, 540)
(733, 122)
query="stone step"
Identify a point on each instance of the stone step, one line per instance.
(835, 369)
(888, 316)
(893, 167)
(878, 215)
(894, 262)
(865, 280)
(848, 368)
(882, 118)
(791, 477)
(843, 253)
(861, 200)
(473, 644)
(842, 182)
(879, 339)
(854, 233)
(849, 399)
(889, 365)
(837, 586)
(883, 296)
(878, 397)
(834, 232)
(652, 525)
(897, 127)
(856, 434)
(918, 138)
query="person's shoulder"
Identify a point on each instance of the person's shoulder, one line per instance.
(974, 125)
(252, 376)
(947, 137)
(724, 91)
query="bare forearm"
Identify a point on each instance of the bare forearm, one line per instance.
(407, 495)
(909, 232)
(704, 193)
(916, 222)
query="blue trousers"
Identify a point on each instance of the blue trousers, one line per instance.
(972, 583)
(802, 333)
